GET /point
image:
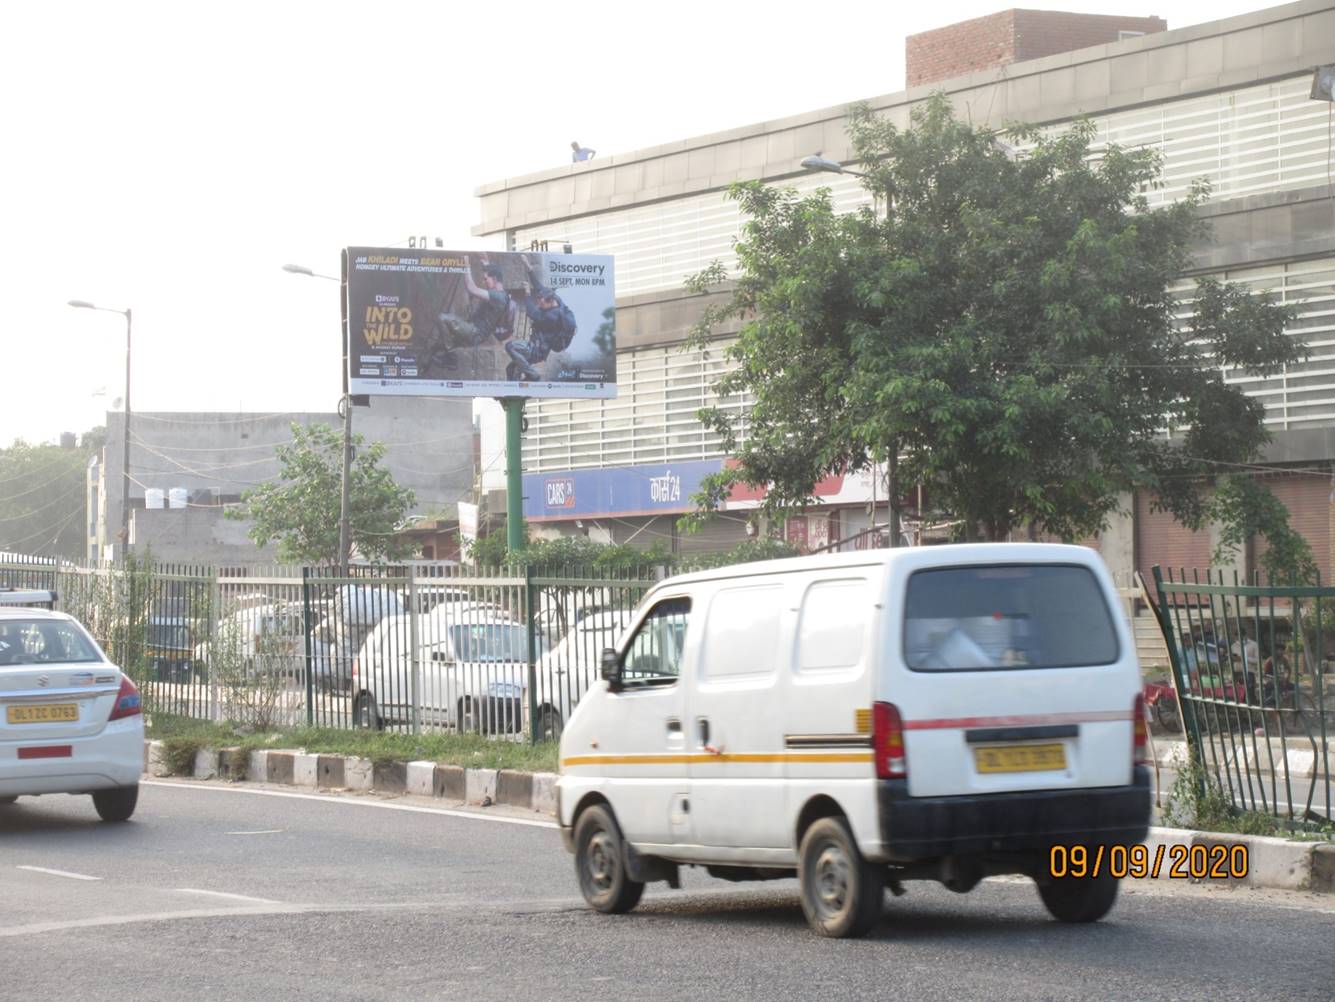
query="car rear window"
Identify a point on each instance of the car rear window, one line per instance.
(1000, 617)
(28, 641)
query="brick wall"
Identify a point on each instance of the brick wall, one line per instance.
(1011, 36)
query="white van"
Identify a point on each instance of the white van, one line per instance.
(469, 672)
(863, 719)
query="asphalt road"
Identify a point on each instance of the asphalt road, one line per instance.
(226, 892)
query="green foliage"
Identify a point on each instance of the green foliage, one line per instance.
(301, 509)
(1007, 326)
(43, 499)
(570, 553)
(1197, 801)
(578, 554)
(1243, 506)
(745, 552)
(185, 736)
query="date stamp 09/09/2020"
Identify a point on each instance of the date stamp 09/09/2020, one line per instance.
(1176, 860)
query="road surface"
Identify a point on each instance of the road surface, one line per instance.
(220, 892)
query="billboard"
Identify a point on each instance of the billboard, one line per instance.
(658, 489)
(479, 324)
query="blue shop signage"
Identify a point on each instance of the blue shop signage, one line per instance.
(659, 488)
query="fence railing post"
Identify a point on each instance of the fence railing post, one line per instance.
(215, 612)
(414, 646)
(530, 652)
(306, 627)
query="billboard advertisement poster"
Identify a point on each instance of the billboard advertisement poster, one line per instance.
(479, 324)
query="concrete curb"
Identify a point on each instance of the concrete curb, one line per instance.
(305, 770)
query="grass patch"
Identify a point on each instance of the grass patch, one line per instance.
(1197, 801)
(182, 737)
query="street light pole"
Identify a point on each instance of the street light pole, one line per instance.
(125, 461)
(345, 412)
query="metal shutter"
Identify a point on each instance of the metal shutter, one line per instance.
(1162, 540)
(1308, 499)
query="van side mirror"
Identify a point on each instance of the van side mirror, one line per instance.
(611, 666)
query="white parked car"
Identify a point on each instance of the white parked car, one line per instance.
(70, 720)
(565, 672)
(471, 671)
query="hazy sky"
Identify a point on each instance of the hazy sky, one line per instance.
(171, 158)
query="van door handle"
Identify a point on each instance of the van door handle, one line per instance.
(673, 726)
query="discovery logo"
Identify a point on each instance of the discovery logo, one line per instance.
(560, 492)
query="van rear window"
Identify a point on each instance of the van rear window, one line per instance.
(1007, 616)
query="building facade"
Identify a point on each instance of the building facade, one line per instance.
(1227, 101)
(187, 468)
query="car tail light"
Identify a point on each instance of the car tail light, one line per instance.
(127, 700)
(356, 667)
(1139, 731)
(887, 741)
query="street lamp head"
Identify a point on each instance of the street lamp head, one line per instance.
(819, 162)
(80, 304)
(298, 269)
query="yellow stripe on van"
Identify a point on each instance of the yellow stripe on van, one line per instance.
(694, 759)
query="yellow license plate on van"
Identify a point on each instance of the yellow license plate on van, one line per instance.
(43, 713)
(1020, 758)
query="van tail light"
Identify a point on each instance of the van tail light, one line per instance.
(887, 742)
(1139, 731)
(127, 702)
(356, 668)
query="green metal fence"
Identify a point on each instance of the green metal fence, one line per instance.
(1255, 680)
(501, 652)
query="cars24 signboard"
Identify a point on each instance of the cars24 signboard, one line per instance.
(474, 324)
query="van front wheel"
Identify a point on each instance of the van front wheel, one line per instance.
(841, 891)
(600, 863)
(1083, 900)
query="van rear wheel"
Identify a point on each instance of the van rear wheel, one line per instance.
(841, 891)
(1079, 900)
(600, 863)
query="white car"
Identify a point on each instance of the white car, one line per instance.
(70, 720)
(470, 672)
(565, 672)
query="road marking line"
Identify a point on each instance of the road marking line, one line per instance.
(37, 928)
(224, 894)
(468, 815)
(58, 873)
(266, 831)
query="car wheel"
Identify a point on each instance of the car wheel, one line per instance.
(1074, 899)
(365, 714)
(117, 804)
(600, 863)
(841, 892)
(550, 724)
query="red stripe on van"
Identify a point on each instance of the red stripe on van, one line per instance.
(1022, 720)
(47, 751)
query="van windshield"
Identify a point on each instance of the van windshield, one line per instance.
(1007, 616)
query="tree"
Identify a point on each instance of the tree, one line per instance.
(42, 499)
(1009, 327)
(301, 509)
